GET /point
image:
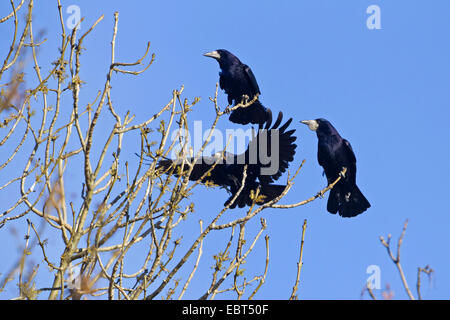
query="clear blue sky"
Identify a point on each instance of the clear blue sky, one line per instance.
(386, 91)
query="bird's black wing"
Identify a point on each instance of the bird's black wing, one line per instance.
(350, 153)
(252, 80)
(351, 160)
(200, 169)
(272, 157)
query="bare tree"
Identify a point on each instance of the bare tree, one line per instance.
(395, 258)
(120, 207)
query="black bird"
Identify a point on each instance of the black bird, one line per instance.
(237, 79)
(333, 154)
(261, 173)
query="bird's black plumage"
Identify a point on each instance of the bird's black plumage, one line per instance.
(237, 80)
(229, 168)
(334, 153)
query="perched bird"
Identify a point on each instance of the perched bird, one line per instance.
(334, 153)
(237, 80)
(267, 157)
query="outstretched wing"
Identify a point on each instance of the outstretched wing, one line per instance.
(199, 170)
(270, 152)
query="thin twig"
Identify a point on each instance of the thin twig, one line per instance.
(299, 264)
(396, 260)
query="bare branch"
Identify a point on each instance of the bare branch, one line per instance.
(396, 260)
(299, 264)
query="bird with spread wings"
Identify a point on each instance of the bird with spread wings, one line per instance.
(267, 157)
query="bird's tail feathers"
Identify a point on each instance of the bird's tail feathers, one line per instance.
(333, 201)
(349, 202)
(354, 204)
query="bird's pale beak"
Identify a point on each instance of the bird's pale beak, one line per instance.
(312, 124)
(213, 54)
